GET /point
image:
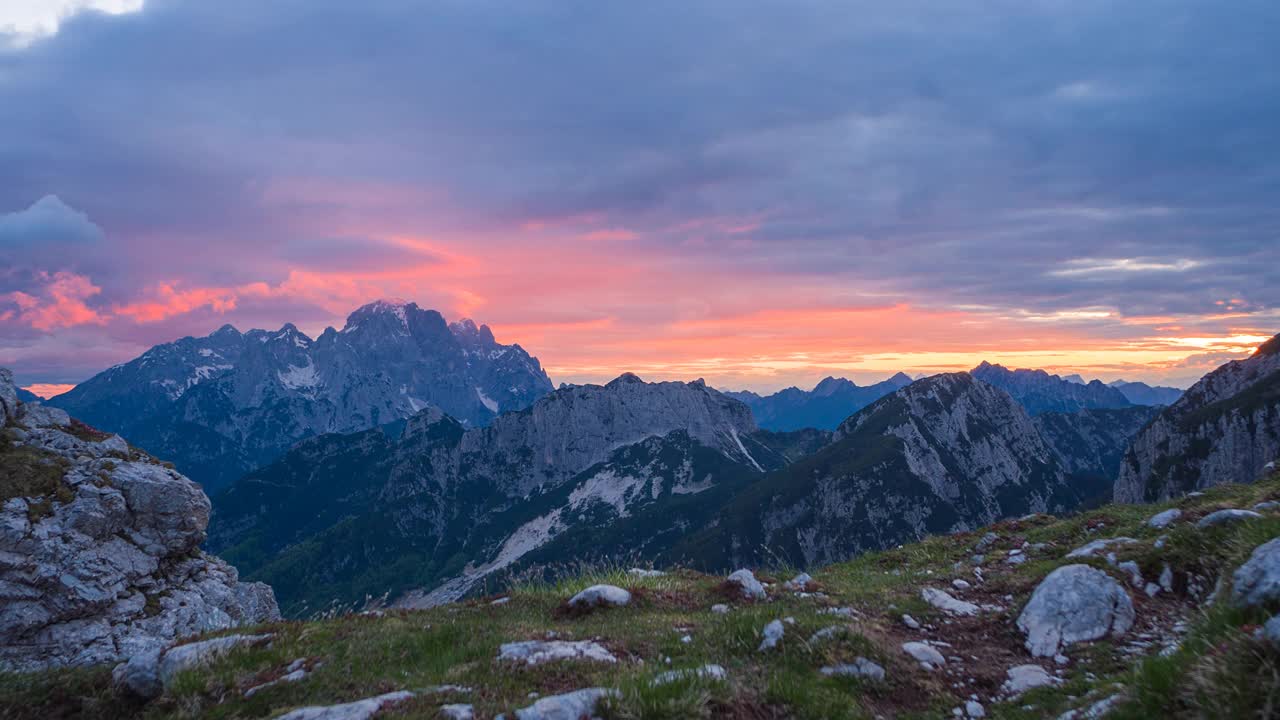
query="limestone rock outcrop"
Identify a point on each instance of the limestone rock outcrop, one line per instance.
(100, 553)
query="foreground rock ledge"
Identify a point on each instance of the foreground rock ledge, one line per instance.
(105, 564)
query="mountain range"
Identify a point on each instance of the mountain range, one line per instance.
(221, 405)
(1140, 393)
(340, 516)
(834, 399)
(650, 472)
(824, 407)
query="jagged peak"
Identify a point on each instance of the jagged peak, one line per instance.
(901, 378)
(227, 330)
(396, 307)
(831, 384)
(469, 329)
(626, 378)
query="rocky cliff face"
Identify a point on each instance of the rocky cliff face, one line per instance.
(946, 453)
(1089, 444)
(1225, 428)
(824, 407)
(1039, 392)
(444, 499)
(221, 405)
(100, 547)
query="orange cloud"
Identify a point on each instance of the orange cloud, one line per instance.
(48, 390)
(167, 301)
(61, 303)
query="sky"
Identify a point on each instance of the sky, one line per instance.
(761, 194)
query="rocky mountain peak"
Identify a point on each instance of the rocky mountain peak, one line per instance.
(901, 379)
(831, 385)
(227, 330)
(222, 405)
(472, 335)
(1225, 428)
(1270, 347)
(1038, 391)
(626, 378)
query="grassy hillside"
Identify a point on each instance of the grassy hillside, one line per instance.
(1217, 670)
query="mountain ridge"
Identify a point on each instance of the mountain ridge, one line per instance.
(225, 403)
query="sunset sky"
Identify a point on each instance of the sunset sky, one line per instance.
(759, 193)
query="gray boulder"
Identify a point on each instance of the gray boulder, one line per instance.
(925, 654)
(859, 668)
(1225, 517)
(948, 604)
(1271, 630)
(1073, 604)
(773, 633)
(1022, 678)
(536, 652)
(1164, 519)
(358, 710)
(600, 596)
(148, 674)
(1094, 547)
(1257, 581)
(751, 587)
(569, 706)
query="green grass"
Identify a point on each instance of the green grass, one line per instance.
(1219, 669)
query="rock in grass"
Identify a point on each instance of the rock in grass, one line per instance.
(458, 711)
(910, 622)
(944, 602)
(925, 654)
(773, 633)
(358, 710)
(1022, 678)
(600, 596)
(720, 609)
(1074, 603)
(536, 652)
(149, 674)
(1257, 581)
(706, 672)
(826, 633)
(198, 654)
(1164, 519)
(1271, 630)
(1266, 506)
(859, 668)
(1226, 517)
(799, 582)
(293, 673)
(751, 587)
(642, 573)
(1093, 548)
(569, 706)
(974, 709)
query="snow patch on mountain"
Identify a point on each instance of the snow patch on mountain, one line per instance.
(300, 378)
(609, 488)
(487, 401)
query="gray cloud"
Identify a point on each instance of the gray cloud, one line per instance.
(946, 153)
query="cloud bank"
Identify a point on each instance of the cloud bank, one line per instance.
(761, 194)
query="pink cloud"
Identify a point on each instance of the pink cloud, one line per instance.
(59, 304)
